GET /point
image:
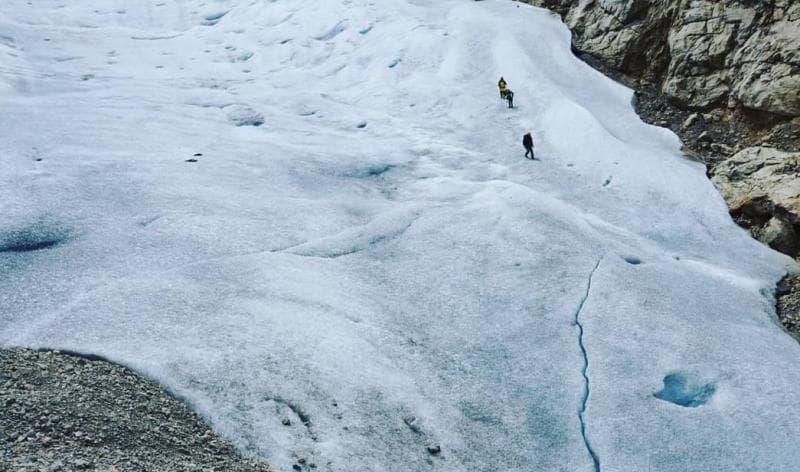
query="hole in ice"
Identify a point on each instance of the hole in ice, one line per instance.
(413, 423)
(7, 41)
(374, 171)
(304, 418)
(243, 115)
(26, 243)
(147, 222)
(37, 237)
(633, 260)
(214, 18)
(154, 38)
(333, 32)
(682, 391)
(244, 57)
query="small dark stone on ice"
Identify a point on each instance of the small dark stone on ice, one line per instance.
(362, 125)
(296, 467)
(286, 422)
(433, 449)
(302, 460)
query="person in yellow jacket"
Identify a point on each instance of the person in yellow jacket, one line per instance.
(505, 92)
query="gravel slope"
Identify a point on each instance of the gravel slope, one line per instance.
(61, 412)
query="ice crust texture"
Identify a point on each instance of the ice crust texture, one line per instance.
(389, 287)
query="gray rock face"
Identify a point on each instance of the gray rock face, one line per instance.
(702, 53)
(768, 68)
(762, 188)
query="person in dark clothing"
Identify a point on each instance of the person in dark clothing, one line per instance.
(527, 142)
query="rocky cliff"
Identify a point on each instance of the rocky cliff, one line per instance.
(726, 77)
(739, 54)
(762, 188)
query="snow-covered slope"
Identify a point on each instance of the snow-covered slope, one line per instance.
(361, 248)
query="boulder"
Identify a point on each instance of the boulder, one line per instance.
(762, 188)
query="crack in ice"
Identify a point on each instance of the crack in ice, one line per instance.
(585, 369)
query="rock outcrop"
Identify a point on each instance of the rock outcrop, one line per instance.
(762, 188)
(701, 53)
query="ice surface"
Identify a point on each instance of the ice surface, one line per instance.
(361, 249)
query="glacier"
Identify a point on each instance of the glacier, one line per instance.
(318, 213)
